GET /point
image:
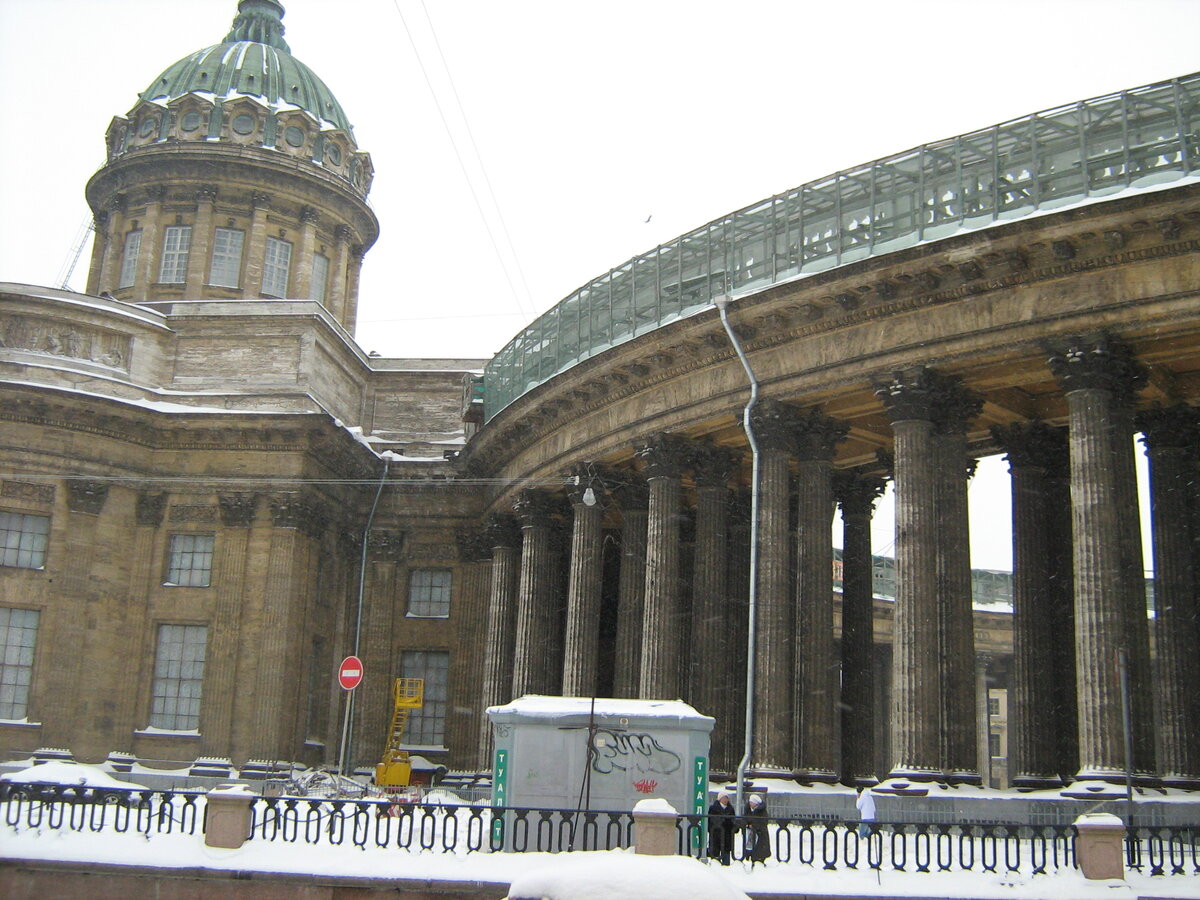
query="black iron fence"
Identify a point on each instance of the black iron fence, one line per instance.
(467, 829)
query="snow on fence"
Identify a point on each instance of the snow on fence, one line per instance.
(427, 827)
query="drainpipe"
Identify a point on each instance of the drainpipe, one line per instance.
(722, 304)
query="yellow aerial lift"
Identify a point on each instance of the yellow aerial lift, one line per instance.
(395, 770)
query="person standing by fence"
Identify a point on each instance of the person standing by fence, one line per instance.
(865, 802)
(720, 828)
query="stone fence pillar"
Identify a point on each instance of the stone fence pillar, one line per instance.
(1100, 846)
(654, 831)
(227, 820)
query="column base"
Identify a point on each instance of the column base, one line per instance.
(1026, 783)
(970, 779)
(1182, 782)
(814, 776)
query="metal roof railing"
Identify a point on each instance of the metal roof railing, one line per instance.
(1088, 150)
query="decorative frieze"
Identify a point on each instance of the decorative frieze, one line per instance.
(24, 490)
(55, 338)
(194, 513)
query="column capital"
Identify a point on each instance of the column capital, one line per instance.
(260, 199)
(631, 491)
(237, 509)
(774, 425)
(1171, 428)
(310, 214)
(86, 496)
(502, 531)
(100, 220)
(385, 545)
(156, 193)
(343, 234)
(666, 455)
(817, 435)
(908, 395)
(856, 492)
(1096, 362)
(206, 194)
(535, 507)
(713, 466)
(474, 544)
(116, 203)
(954, 406)
(150, 508)
(1033, 445)
(293, 510)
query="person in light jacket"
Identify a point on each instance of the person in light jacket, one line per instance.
(866, 811)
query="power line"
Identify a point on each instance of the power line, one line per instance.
(462, 165)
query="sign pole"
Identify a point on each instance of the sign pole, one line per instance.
(350, 674)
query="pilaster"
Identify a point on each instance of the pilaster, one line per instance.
(256, 249)
(201, 243)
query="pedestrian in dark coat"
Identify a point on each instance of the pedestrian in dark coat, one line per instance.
(757, 840)
(720, 828)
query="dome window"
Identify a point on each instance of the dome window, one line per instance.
(243, 124)
(191, 121)
(334, 154)
(294, 136)
(149, 124)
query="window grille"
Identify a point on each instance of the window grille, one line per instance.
(178, 677)
(429, 592)
(18, 634)
(320, 275)
(227, 257)
(190, 560)
(129, 259)
(176, 241)
(275, 268)
(427, 725)
(23, 540)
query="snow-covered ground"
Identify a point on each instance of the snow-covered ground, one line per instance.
(574, 876)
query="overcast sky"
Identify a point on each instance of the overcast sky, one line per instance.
(603, 128)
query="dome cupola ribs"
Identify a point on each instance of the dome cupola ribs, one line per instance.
(260, 21)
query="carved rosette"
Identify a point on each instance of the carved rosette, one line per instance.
(385, 545)
(86, 496)
(502, 531)
(238, 509)
(150, 508)
(1097, 363)
(665, 455)
(714, 466)
(856, 492)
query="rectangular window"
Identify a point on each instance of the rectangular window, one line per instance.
(993, 706)
(227, 257)
(129, 259)
(320, 275)
(190, 562)
(429, 592)
(18, 633)
(275, 268)
(994, 744)
(178, 677)
(23, 540)
(427, 725)
(175, 254)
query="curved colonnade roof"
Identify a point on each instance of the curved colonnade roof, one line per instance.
(1137, 139)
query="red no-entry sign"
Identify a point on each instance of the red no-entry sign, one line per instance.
(350, 673)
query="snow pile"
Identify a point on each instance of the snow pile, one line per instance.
(67, 773)
(605, 874)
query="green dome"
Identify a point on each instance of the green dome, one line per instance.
(253, 60)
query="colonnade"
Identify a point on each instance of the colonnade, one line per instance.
(1080, 619)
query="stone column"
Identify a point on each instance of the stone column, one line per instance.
(534, 660)
(954, 408)
(256, 245)
(302, 265)
(582, 646)
(150, 254)
(475, 563)
(916, 689)
(102, 249)
(816, 730)
(353, 273)
(774, 663)
(662, 627)
(114, 247)
(238, 511)
(504, 537)
(708, 662)
(1092, 373)
(201, 243)
(384, 599)
(856, 493)
(984, 721)
(336, 302)
(1171, 437)
(633, 497)
(1033, 450)
(1061, 613)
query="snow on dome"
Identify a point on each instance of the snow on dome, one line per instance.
(605, 874)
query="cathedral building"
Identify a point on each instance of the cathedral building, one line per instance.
(210, 495)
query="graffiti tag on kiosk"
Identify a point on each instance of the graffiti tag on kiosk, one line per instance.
(621, 751)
